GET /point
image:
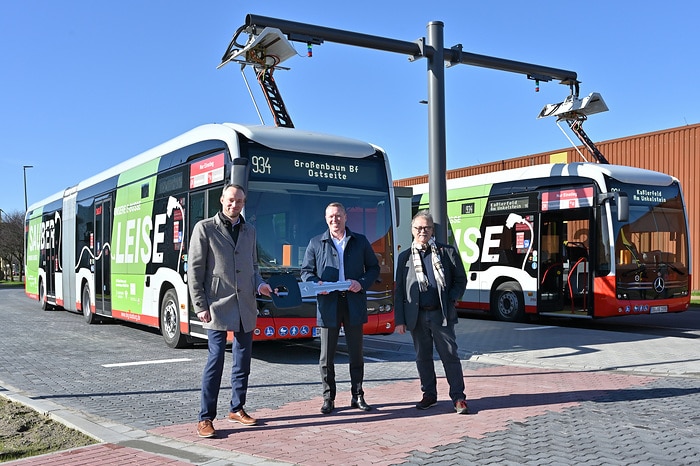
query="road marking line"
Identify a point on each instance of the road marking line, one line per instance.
(544, 327)
(143, 363)
(375, 359)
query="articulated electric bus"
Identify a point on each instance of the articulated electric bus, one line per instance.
(581, 240)
(115, 245)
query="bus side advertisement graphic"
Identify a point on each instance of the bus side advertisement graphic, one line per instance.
(36, 241)
(476, 241)
(136, 236)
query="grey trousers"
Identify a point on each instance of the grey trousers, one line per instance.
(428, 332)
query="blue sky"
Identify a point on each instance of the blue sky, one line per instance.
(87, 84)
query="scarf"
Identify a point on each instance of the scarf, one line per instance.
(418, 265)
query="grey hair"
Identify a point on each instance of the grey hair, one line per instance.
(425, 213)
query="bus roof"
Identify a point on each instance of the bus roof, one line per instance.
(594, 171)
(297, 140)
(291, 139)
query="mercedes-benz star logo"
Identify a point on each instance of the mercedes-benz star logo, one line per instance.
(659, 284)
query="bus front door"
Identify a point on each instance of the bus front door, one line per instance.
(565, 279)
(551, 265)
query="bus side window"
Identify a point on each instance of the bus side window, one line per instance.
(196, 209)
(549, 249)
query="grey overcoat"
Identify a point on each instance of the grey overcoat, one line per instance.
(223, 277)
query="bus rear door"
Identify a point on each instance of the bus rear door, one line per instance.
(103, 256)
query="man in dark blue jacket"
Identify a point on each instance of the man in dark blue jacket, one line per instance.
(339, 255)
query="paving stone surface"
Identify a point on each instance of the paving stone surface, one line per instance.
(539, 395)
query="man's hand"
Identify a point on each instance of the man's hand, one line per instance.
(265, 289)
(355, 286)
(400, 329)
(204, 316)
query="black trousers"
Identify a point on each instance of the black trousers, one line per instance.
(329, 344)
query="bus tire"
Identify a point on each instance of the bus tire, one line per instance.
(170, 320)
(508, 304)
(43, 303)
(90, 318)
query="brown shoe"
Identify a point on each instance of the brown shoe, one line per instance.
(205, 429)
(242, 417)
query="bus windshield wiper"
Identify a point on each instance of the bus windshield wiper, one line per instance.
(670, 266)
(641, 267)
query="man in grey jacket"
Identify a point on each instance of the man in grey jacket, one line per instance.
(223, 278)
(430, 278)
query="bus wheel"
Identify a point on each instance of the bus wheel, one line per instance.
(45, 306)
(90, 318)
(508, 304)
(170, 321)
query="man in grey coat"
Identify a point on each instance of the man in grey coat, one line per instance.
(430, 278)
(223, 278)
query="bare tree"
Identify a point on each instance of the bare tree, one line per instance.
(12, 241)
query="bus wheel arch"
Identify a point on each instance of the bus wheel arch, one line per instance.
(507, 302)
(169, 317)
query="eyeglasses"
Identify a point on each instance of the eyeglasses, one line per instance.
(419, 229)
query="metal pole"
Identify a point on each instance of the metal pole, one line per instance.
(24, 168)
(303, 32)
(437, 148)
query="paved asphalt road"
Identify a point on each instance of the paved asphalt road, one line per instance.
(617, 392)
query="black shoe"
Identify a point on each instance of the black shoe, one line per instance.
(359, 403)
(426, 402)
(327, 407)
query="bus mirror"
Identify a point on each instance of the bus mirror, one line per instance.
(397, 210)
(240, 171)
(621, 202)
(623, 207)
(402, 195)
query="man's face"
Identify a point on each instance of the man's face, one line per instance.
(422, 230)
(335, 218)
(232, 202)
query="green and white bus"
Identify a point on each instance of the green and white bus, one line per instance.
(579, 240)
(115, 245)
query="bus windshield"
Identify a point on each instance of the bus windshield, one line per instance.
(654, 242)
(287, 198)
(286, 216)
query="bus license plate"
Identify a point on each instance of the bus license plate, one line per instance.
(658, 309)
